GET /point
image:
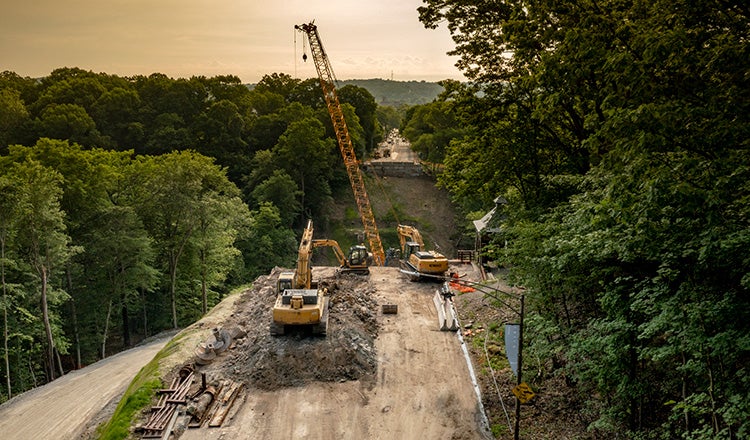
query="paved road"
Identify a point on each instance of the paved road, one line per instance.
(61, 409)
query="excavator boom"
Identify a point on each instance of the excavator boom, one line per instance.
(327, 83)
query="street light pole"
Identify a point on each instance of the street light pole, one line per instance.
(520, 371)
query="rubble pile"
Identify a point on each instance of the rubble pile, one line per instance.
(267, 362)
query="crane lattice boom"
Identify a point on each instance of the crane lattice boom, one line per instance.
(327, 83)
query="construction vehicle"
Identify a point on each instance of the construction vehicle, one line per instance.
(357, 261)
(416, 262)
(327, 79)
(298, 300)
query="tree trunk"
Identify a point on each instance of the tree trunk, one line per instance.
(47, 326)
(106, 330)
(60, 368)
(203, 282)
(172, 290)
(125, 321)
(145, 314)
(74, 313)
(5, 316)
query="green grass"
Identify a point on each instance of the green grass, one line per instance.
(138, 396)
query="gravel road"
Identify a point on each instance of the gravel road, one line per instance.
(62, 409)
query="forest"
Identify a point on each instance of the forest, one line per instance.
(618, 133)
(615, 133)
(132, 205)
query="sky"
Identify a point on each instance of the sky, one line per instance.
(364, 39)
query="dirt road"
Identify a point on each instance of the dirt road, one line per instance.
(61, 409)
(422, 387)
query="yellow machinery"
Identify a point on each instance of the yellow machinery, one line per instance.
(357, 261)
(325, 74)
(415, 261)
(298, 300)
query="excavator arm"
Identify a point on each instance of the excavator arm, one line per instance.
(303, 275)
(409, 233)
(333, 244)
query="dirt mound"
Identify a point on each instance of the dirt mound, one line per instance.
(267, 362)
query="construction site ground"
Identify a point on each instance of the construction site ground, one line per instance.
(374, 375)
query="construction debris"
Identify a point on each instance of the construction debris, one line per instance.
(164, 414)
(242, 356)
(447, 317)
(389, 309)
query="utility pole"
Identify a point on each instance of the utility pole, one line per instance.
(493, 293)
(520, 371)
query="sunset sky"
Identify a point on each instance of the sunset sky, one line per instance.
(248, 38)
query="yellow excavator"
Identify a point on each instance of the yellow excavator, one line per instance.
(358, 260)
(416, 262)
(299, 302)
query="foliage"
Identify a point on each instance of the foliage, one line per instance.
(618, 134)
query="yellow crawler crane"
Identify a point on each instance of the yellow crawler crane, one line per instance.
(298, 300)
(327, 79)
(417, 262)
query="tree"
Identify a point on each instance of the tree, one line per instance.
(167, 192)
(280, 190)
(118, 264)
(306, 156)
(13, 116)
(221, 219)
(8, 226)
(70, 122)
(42, 233)
(268, 243)
(365, 107)
(612, 137)
(278, 83)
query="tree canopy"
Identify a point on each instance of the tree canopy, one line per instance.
(618, 134)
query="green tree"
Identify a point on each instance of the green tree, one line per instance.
(365, 107)
(47, 246)
(268, 243)
(69, 122)
(280, 190)
(278, 83)
(167, 192)
(616, 131)
(13, 116)
(306, 155)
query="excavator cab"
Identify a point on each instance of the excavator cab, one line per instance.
(285, 282)
(410, 248)
(358, 256)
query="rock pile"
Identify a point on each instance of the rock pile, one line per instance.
(267, 362)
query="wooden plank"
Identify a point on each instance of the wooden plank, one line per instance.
(227, 402)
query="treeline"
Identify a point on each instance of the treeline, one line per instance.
(132, 205)
(617, 132)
